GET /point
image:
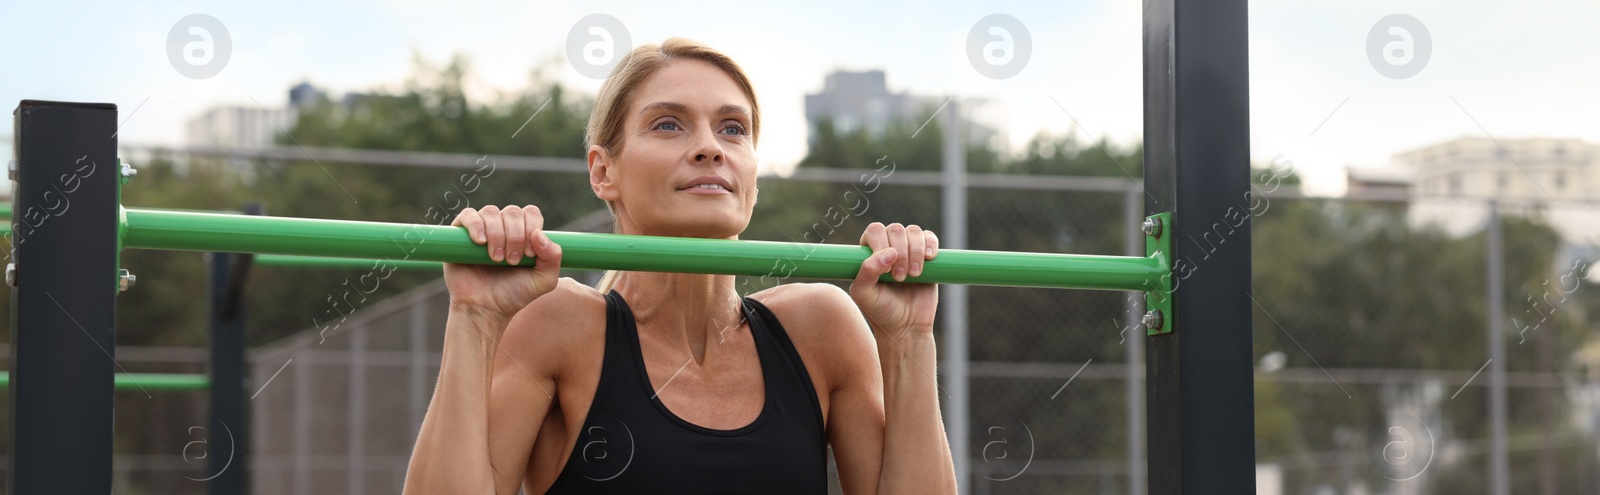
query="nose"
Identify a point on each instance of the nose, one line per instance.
(707, 151)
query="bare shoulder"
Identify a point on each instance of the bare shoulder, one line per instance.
(554, 325)
(812, 307)
(825, 325)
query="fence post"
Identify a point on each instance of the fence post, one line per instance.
(958, 422)
(1499, 471)
(1132, 328)
(302, 422)
(356, 415)
(420, 393)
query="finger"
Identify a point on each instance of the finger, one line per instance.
(933, 244)
(863, 289)
(915, 245)
(897, 240)
(533, 222)
(516, 233)
(548, 269)
(473, 221)
(494, 230)
(875, 237)
(547, 265)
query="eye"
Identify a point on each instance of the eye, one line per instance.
(738, 129)
(666, 125)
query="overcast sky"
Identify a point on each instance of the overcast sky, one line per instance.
(1517, 69)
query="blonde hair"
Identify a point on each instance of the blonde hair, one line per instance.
(616, 95)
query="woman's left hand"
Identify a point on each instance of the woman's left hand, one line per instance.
(895, 308)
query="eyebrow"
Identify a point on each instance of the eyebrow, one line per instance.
(674, 107)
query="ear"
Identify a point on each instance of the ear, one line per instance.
(602, 173)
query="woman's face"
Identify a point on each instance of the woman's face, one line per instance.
(687, 166)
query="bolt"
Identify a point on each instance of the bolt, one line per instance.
(1152, 227)
(11, 169)
(125, 280)
(128, 172)
(1152, 319)
(11, 274)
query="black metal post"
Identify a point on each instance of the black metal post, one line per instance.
(1200, 412)
(63, 306)
(227, 434)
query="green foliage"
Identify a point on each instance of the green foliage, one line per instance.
(1064, 155)
(1350, 285)
(1353, 284)
(432, 113)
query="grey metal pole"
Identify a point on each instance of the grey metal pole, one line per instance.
(356, 414)
(1133, 335)
(1499, 469)
(302, 423)
(957, 421)
(264, 470)
(419, 365)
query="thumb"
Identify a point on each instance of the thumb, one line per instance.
(862, 289)
(547, 266)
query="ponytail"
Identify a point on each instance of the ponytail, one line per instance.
(607, 281)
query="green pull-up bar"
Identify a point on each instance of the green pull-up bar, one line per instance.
(146, 381)
(275, 260)
(191, 231)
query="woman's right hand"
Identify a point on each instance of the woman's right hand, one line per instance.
(510, 234)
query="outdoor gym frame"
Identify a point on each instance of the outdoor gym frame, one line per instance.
(71, 227)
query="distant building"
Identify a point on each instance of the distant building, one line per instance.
(250, 126)
(1550, 179)
(1390, 181)
(234, 126)
(862, 101)
(305, 95)
(1513, 170)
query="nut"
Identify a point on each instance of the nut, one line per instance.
(1152, 320)
(125, 280)
(1152, 227)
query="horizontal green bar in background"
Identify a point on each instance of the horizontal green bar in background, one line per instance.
(189, 231)
(285, 261)
(146, 381)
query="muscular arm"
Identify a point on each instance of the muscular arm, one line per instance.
(883, 418)
(916, 453)
(488, 405)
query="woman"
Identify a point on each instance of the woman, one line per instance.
(669, 382)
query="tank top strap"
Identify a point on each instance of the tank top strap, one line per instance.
(631, 443)
(786, 376)
(621, 369)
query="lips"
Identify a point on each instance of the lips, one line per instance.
(707, 183)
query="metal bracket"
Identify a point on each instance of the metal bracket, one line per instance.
(124, 279)
(1158, 316)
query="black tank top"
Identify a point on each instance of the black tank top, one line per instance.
(631, 442)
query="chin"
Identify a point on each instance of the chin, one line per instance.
(707, 226)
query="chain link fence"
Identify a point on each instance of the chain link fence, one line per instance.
(1371, 339)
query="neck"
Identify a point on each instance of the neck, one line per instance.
(688, 311)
